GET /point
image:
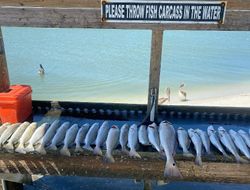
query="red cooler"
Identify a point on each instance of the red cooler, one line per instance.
(16, 105)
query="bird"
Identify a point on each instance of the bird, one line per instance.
(166, 98)
(41, 70)
(182, 93)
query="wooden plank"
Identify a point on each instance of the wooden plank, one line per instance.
(4, 75)
(69, 15)
(155, 67)
(149, 167)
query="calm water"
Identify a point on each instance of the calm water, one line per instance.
(113, 65)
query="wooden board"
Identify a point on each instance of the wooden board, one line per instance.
(149, 167)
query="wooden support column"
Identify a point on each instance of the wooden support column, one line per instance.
(4, 75)
(155, 67)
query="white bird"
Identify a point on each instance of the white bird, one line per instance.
(182, 93)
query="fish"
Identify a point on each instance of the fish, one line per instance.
(59, 136)
(16, 136)
(205, 140)
(133, 141)
(245, 136)
(8, 132)
(143, 135)
(69, 140)
(215, 141)
(123, 138)
(26, 137)
(229, 144)
(168, 140)
(111, 143)
(101, 137)
(195, 138)
(47, 138)
(153, 136)
(239, 142)
(81, 136)
(184, 141)
(3, 128)
(36, 137)
(91, 136)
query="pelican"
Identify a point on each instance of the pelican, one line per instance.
(166, 98)
(41, 70)
(182, 93)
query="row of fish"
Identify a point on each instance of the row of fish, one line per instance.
(28, 137)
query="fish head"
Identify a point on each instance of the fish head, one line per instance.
(221, 130)
(181, 129)
(232, 132)
(242, 132)
(114, 127)
(166, 122)
(190, 132)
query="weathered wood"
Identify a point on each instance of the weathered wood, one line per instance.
(4, 75)
(155, 67)
(88, 15)
(149, 167)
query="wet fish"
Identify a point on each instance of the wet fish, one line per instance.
(81, 136)
(101, 137)
(153, 136)
(215, 141)
(133, 141)
(111, 143)
(3, 128)
(205, 140)
(195, 138)
(184, 141)
(69, 140)
(8, 132)
(59, 136)
(143, 135)
(16, 136)
(36, 137)
(91, 136)
(245, 136)
(167, 140)
(26, 137)
(123, 139)
(239, 142)
(228, 143)
(47, 138)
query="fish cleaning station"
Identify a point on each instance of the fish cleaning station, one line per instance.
(16, 104)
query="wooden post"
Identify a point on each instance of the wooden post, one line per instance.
(155, 67)
(4, 75)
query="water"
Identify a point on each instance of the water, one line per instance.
(113, 65)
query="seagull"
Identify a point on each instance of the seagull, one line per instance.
(41, 70)
(182, 93)
(167, 98)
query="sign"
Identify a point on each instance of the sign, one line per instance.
(207, 12)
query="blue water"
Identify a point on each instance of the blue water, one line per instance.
(113, 65)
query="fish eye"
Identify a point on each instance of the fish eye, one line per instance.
(173, 164)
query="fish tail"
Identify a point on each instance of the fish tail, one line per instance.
(198, 160)
(125, 151)
(241, 160)
(9, 146)
(52, 147)
(65, 151)
(97, 151)
(171, 169)
(226, 156)
(108, 158)
(78, 148)
(20, 149)
(29, 148)
(188, 154)
(134, 154)
(40, 149)
(88, 147)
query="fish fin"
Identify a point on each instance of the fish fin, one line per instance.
(52, 147)
(171, 170)
(88, 147)
(108, 158)
(78, 149)
(29, 148)
(65, 151)
(9, 147)
(97, 151)
(40, 149)
(241, 160)
(124, 150)
(188, 154)
(20, 149)
(134, 154)
(198, 160)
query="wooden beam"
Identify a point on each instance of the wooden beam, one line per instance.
(149, 167)
(87, 14)
(155, 68)
(4, 75)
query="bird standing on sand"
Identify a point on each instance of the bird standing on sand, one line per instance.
(164, 99)
(182, 93)
(41, 70)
